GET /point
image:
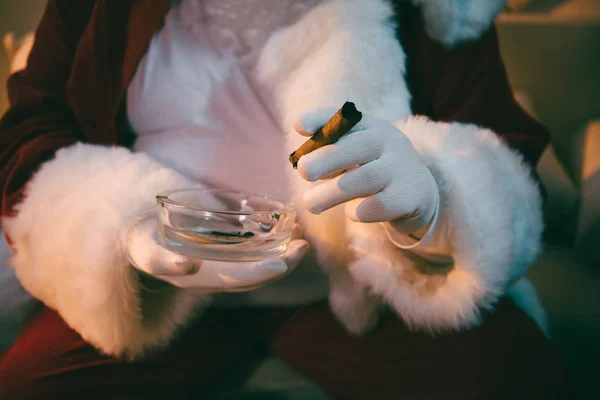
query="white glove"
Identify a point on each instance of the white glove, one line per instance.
(376, 172)
(214, 276)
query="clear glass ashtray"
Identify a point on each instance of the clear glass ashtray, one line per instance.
(223, 225)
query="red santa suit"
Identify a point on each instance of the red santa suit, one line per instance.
(202, 108)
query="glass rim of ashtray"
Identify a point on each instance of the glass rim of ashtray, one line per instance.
(164, 198)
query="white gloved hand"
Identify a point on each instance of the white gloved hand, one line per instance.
(213, 276)
(376, 171)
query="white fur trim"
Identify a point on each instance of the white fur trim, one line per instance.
(68, 253)
(492, 209)
(452, 22)
(334, 54)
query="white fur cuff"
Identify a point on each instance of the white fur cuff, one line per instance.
(491, 208)
(68, 254)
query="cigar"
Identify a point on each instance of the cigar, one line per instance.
(340, 124)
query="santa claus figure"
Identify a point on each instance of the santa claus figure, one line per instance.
(415, 230)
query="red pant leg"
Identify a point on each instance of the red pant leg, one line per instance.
(507, 358)
(49, 360)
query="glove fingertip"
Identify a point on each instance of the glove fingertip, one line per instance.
(174, 264)
(300, 127)
(297, 248)
(308, 123)
(274, 265)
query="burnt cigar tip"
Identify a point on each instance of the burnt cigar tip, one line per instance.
(349, 109)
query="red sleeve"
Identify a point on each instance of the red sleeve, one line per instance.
(39, 120)
(474, 88)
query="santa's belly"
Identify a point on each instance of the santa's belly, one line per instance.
(224, 162)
